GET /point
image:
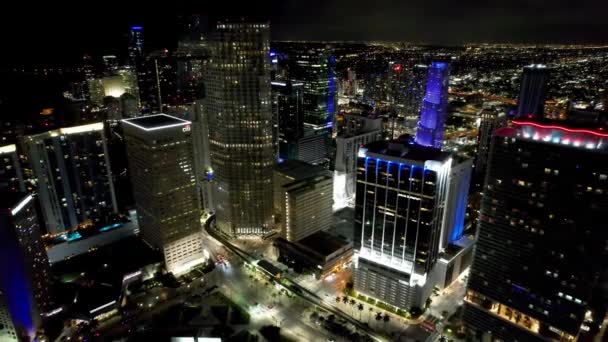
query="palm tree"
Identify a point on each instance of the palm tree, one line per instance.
(378, 317)
(386, 319)
(345, 300)
(352, 305)
(369, 314)
(338, 299)
(360, 308)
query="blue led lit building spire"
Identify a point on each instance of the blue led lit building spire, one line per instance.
(434, 106)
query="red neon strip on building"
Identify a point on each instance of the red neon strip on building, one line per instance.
(560, 128)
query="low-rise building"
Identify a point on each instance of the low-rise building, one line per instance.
(321, 252)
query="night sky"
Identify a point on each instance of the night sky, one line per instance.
(50, 32)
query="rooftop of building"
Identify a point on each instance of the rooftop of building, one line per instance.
(93, 127)
(323, 243)
(108, 264)
(456, 247)
(299, 170)
(155, 122)
(407, 151)
(567, 133)
(14, 201)
(11, 148)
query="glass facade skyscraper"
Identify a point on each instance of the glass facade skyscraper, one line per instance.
(314, 67)
(73, 176)
(539, 271)
(433, 112)
(241, 127)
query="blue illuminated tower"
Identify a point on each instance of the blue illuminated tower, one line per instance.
(25, 270)
(136, 44)
(434, 106)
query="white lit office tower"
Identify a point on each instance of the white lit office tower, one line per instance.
(408, 210)
(161, 164)
(303, 199)
(238, 102)
(72, 171)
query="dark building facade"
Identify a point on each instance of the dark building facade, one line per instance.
(157, 78)
(288, 109)
(490, 121)
(539, 271)
(531, 100)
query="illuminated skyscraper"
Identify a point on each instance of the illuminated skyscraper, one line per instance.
(25, 276)
(396, 83)
(11, 176)
(405, 216)
(314, 67)
(136, 45)
(161, 165)
(72, 171)
(539, 272)
(434, 106)
(240, 127)
(531, 100)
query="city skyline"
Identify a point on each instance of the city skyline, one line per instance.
(416, 22)
(200, 177)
